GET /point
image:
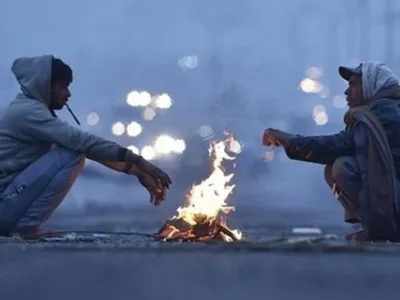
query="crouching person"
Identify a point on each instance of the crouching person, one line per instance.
(362, 161)
(41, 156)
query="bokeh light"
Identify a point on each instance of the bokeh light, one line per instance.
(134, 129)
(318, 109)
(163, 101)
(92, 119)
(145, 98)
(164, 144)
(148, 152)
(320, 115)
(134, 149)
(308, 85)
(149, 114)
(179, 146)
(188, 62)
(136, 98)
(321, 119)
(118, 128)
(133, 98)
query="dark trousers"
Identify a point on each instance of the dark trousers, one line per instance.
(344, 178)
(37, 191)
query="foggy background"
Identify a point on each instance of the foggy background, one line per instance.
(227, 65)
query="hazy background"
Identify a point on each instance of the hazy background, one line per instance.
(249, 59)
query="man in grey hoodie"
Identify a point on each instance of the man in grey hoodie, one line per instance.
(362, 161)
(41, 155)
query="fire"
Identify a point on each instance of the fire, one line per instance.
(203, 217)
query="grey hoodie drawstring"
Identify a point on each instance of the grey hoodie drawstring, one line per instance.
(72, 114)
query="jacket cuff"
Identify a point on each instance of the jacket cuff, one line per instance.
(131, 157)
(122, 153)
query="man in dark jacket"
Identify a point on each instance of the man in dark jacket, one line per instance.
(362, 161)
(41, 155)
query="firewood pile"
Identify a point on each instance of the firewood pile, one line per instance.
(203, 231)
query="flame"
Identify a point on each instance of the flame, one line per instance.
(206, 202)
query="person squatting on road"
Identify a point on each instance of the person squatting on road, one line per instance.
(362, 162)
(41, 155)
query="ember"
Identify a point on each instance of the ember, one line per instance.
(203, 217)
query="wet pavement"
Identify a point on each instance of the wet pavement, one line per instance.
(116, 257)
(141, 242)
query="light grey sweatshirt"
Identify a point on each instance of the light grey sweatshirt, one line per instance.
(28, 128)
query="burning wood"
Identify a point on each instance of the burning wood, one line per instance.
(203, 217)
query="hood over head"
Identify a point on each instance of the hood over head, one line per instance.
(34, 76)
(379, 81)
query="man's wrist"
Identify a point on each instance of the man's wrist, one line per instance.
(133, 158)
(285, 139)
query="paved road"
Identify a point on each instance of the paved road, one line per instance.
(122, 274)
(264, 268)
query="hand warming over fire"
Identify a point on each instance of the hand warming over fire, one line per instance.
(154, 180)
(151, 177)
(156, 191)
(275, 137)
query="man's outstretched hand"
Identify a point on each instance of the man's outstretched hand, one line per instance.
(275, 137)
(154, 180)
(157, 193)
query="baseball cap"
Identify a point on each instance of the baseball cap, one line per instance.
(347, 72)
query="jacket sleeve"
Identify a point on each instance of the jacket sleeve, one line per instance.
(40, 124)
(321, 149)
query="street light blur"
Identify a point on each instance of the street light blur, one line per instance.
(163, 101)
(92, 119)
(148, 152)
(118, 128)
(134, 129)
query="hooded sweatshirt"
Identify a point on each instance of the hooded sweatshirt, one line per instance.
(28, 128)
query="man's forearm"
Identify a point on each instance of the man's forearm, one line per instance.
(320, 149)
(130, 164)
(122, 166)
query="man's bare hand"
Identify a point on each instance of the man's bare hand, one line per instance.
(156, 191)
(275, 137)
(269, 138)
(159, 175)
(154, 180)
